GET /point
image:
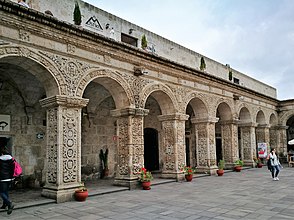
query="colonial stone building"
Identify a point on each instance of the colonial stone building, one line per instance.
(68, 91)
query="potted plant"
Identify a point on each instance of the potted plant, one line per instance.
(202, 64)
(77, 16)
(221, 166)
(144, 42)
(189, 171)
(258, 162)
(104, 163)
(81, 194)
(238, 165)
(145, 178)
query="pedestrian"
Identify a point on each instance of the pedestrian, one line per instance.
(6, 178)
(275, 164)
(23, 3)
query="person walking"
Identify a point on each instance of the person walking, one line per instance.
(275, 164)
(6, 178)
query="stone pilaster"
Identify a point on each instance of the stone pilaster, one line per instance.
(229, 130)
(173, 143)
(130, 158)
(63, 157)
(205, 144)
(282, 139)
(247, 143)
(263, 135)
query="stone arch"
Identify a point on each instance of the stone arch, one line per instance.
(260, 118)
(244, 115)
(38, 65)
(286, 116)
(273, 119)
(224, 111)
(163, 95)
(198, 104)
(113, 82)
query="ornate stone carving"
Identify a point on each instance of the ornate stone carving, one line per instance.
(24, 35)
(70, 154)
(52, 155)
(71, 48)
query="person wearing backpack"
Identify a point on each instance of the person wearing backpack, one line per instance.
(275, 164)
(6, 178)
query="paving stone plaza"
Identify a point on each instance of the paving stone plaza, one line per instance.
(251, 194)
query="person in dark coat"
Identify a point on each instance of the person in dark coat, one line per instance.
(6, 178)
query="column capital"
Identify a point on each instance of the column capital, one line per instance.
(282, 127)
(129, 111)
(247, 124)
(60, 100)
(233, 121)
(263, 126)
(176, 116)
(204, 120)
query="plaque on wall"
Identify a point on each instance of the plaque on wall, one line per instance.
(4, 122)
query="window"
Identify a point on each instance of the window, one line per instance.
(237, 81)
(129, 40)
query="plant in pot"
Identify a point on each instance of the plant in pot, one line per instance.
(77, 16)
(221, 166)
(238, 165)
(258, 162)
(81, 193)
(145, 178)
(104, 163)
(144, 42)
(189, 171)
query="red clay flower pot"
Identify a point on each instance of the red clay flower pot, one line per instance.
(220, 172)
(81, 195)
(146, 185)
(238, 168)
(189, 177)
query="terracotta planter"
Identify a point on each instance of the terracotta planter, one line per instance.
(238, 168)
(146, 185)
(81, 195)
(259, 165)
(189, 177)
(220, 172)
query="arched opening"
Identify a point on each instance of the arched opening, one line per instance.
(290, 134)
(24, 83)
(99, 128)
(196, 133)
(151, 151)
(223, 133)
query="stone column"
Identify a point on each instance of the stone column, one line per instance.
(229, 131)
(248, 143)
(63, 159)
(263, 135)
(282, 139)
(130, 158)
(205, 144)
(173, 143)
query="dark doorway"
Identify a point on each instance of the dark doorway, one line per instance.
(188, 152)
(151, 154)
(219, 154)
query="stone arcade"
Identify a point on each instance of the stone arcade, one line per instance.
(68, 91)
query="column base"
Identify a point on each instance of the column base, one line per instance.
(131, 183)
(173, 175)
(207, 170)
(60, 195)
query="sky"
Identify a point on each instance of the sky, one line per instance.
(256, 37)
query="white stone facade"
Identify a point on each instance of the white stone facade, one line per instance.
(86, 92)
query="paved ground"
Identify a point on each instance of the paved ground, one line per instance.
(251, 194)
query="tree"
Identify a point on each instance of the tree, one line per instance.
(202, 64)
(144, 42)
(77, 14)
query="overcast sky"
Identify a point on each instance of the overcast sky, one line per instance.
(256, 37)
